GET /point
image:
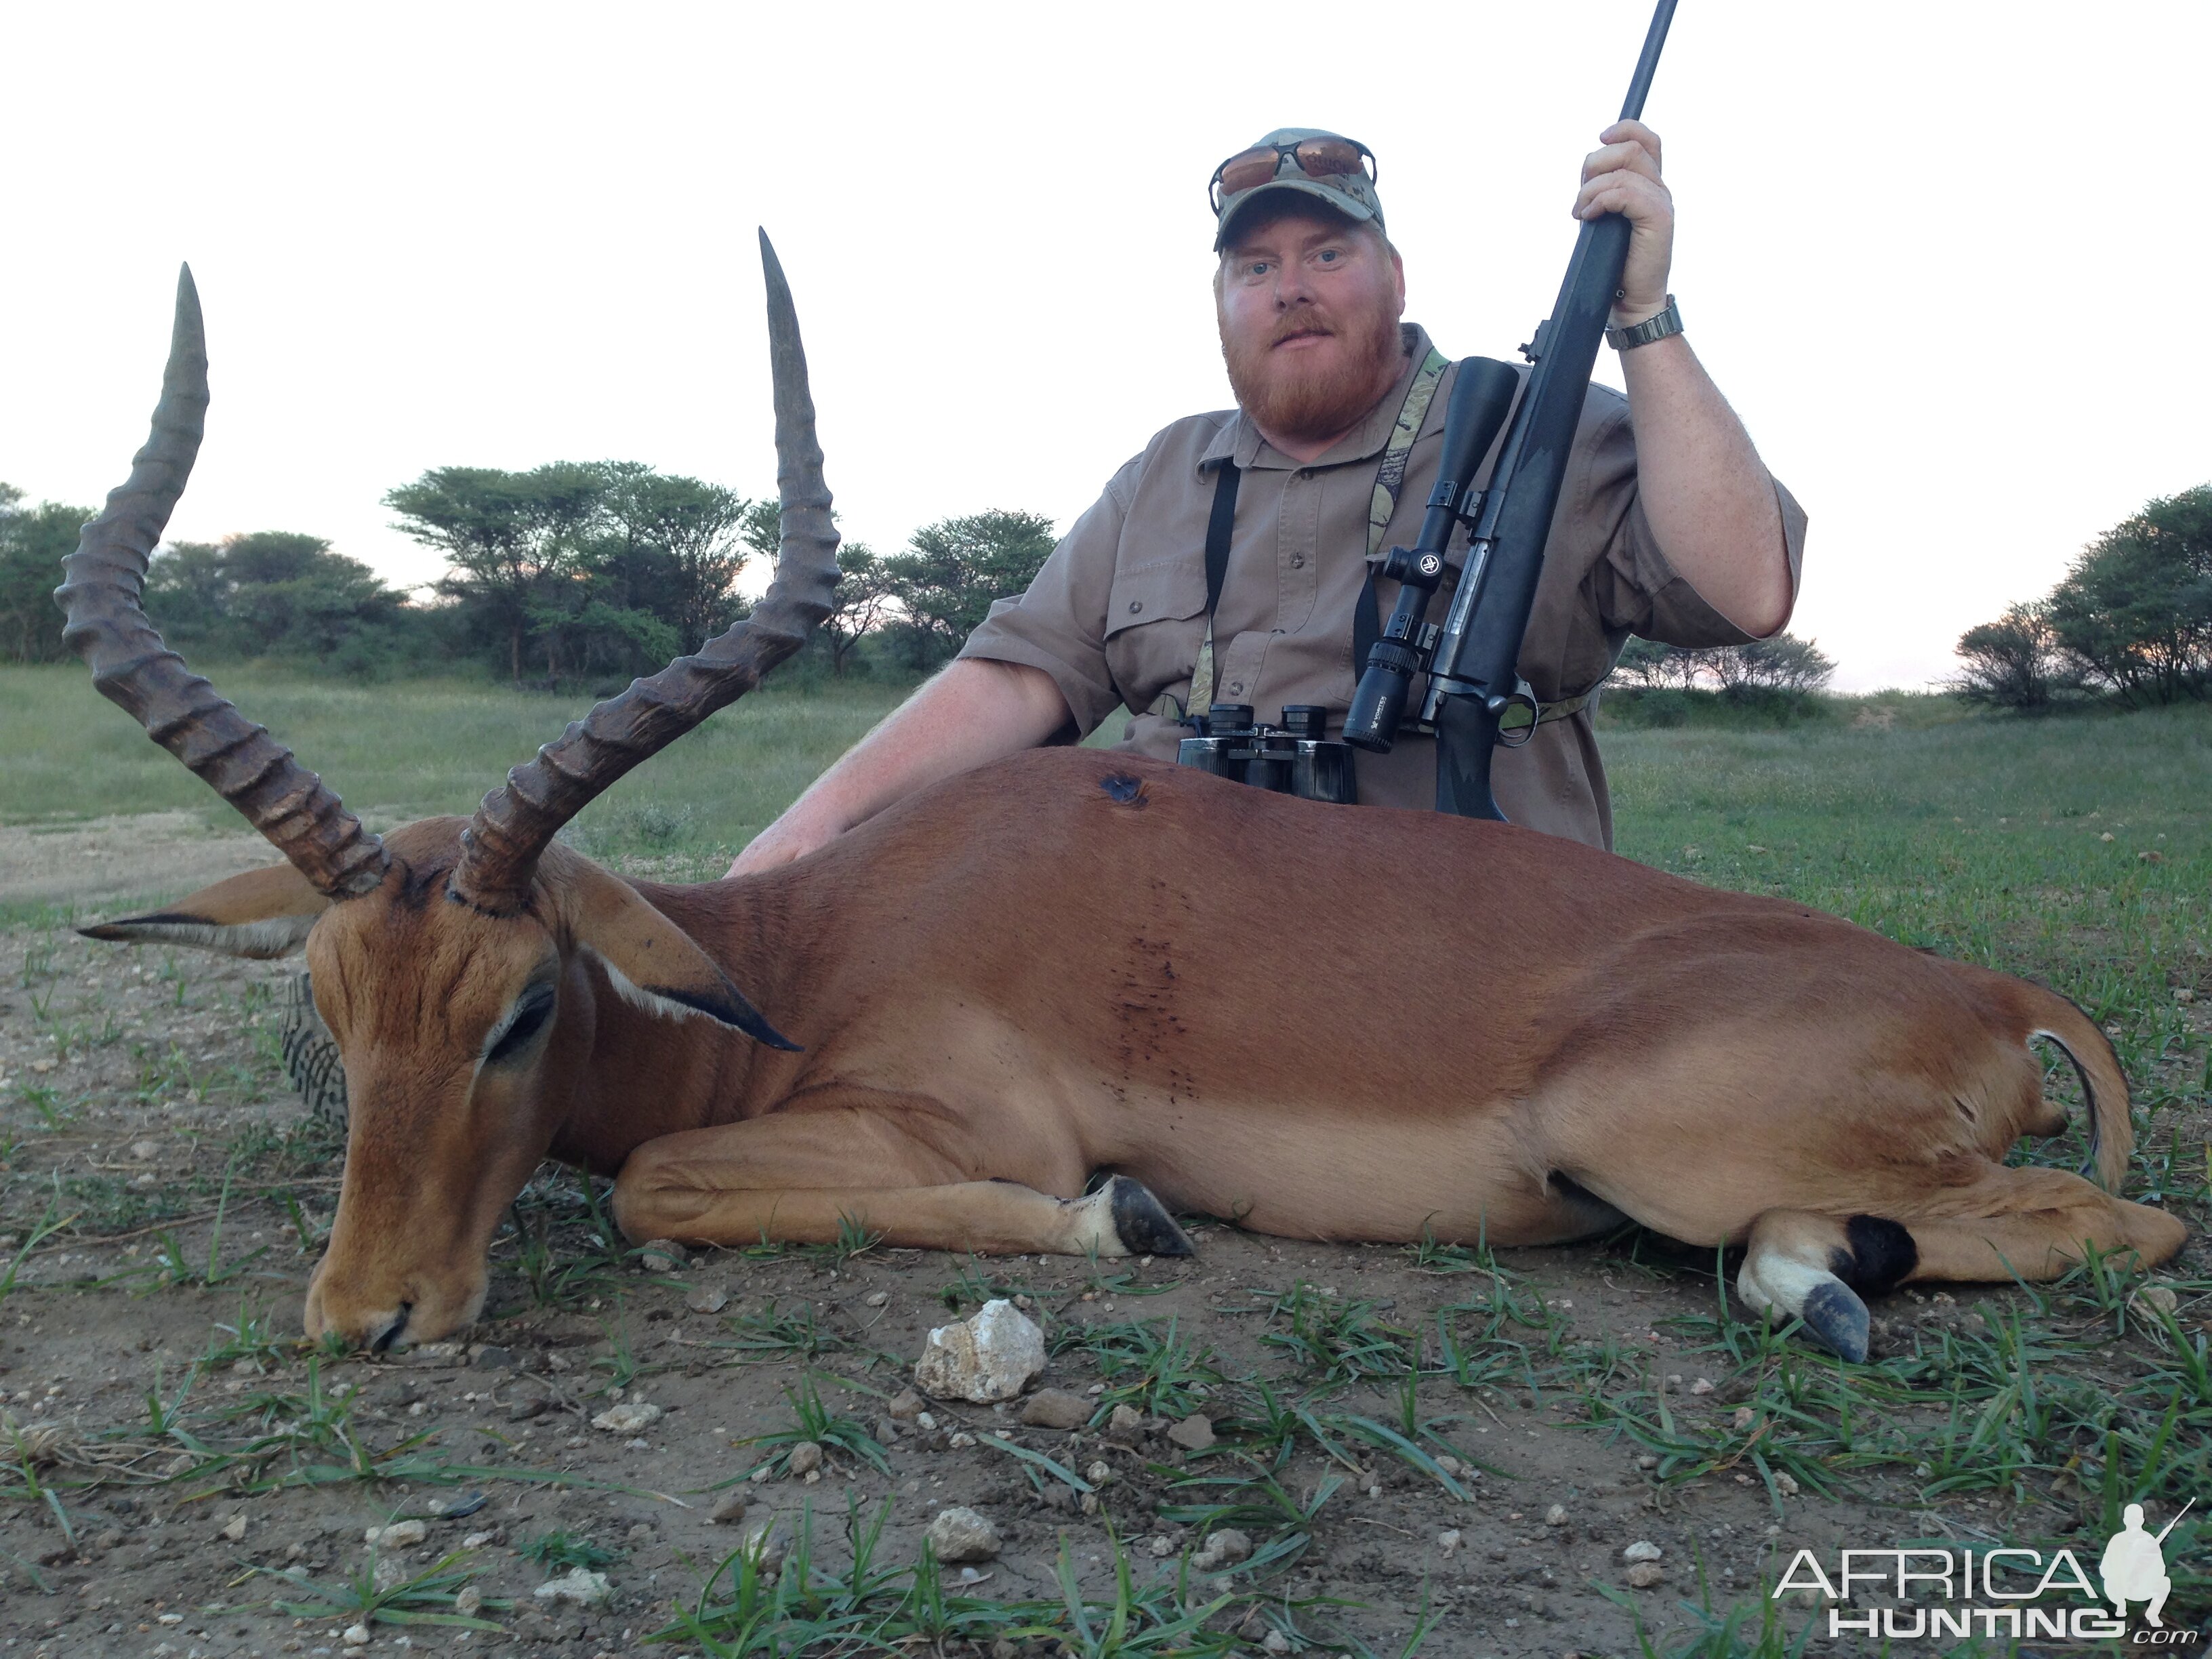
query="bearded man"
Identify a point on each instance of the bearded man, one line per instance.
(1669, 526)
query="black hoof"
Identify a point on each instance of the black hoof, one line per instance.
(1143, 1223)
(1839, 1318)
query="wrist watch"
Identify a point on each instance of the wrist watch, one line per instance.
(1668, 321)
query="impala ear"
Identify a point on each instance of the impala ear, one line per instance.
(261, 914)
(652, 962)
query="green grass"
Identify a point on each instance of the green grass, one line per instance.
(412, 749)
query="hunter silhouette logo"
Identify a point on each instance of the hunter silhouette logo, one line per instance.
(2134, 1566)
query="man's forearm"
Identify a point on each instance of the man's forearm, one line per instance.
(975, 711)
(1709, 498)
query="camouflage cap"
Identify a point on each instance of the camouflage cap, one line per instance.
(1351, 194)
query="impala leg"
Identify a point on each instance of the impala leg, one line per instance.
(798, 1177)
(2036, 1225)
(1814, 1267)
(2009, 1223)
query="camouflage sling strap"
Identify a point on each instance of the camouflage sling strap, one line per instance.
(1387, 480)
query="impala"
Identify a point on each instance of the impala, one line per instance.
(945, 1024)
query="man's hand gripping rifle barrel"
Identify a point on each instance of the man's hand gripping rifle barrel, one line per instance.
(1476, 698)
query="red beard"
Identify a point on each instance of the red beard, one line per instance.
(1306, 397)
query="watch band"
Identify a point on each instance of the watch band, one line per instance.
(1668, 321)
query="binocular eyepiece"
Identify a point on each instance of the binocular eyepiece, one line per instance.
(1294, 758)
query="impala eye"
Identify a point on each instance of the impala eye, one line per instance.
(528, 1019)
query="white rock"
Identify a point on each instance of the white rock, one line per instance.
(234, 1528)
(1642, 1550)
(627, 1417)
(962, 1534)
(578, 1588)
(805, 1457)
(707, 1298)
(1556, 1516)
(356, 1636)
(399, 1535)
(1224, 1548)
(468, 1602)
(761, 1546)
(2156, 1299)
(662, 1255)
(1276, 1642)
(1448, 1541)
(989, 1358)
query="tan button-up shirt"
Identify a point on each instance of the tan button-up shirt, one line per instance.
(1118, 612)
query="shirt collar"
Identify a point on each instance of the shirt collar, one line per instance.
(1239, 441)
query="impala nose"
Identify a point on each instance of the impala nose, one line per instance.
(393, 1329)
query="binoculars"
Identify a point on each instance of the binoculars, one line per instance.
(1293, 758)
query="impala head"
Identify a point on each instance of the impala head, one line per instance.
(456, 963)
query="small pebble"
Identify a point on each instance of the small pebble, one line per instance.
(663, 1255)
(707, 1298)
(905, 1406)
(1098, 1474)
(1649, 1460)
(1194, 1433)
(1556, 1516)
(1744, 1417)
(805, 1457)
(1221, 1548)
(627, 1419)
(234, 1528)
(729, 1510)
(356, 1636)
(1161, 1544)
(878, 1298)
(1642, 1550)
(1644, 1574)
(1276, 1642)
(1448, 1541)
(1127, 1424)
(2156, 1298)
(468, 1600)
(961, 1441)
(1702, 1385)
(958, 1534)
(1055, 1409)
(399, 1535)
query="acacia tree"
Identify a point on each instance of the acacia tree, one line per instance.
(1654, 666)
(865, 600)
(673, 547)
(2134, 612)
(513, 541)
(1784, 663)
(953, 570)
(271, 592)
(2008, 662)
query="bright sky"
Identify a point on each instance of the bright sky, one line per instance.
(1948, 261)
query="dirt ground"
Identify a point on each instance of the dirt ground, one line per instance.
(175, 1445)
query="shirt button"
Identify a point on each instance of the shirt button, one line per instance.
(1237, 688)
(1297, 561)
(1135, 605)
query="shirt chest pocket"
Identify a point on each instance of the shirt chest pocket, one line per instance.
(1155, 622)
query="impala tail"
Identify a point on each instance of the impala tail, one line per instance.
(2112, 1133)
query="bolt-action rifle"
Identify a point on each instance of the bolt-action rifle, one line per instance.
(1476, 697)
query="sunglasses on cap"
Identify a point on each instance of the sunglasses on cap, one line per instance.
(1317, 158)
